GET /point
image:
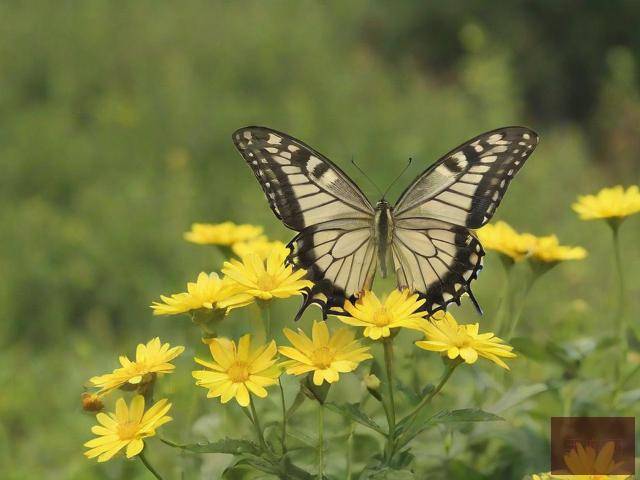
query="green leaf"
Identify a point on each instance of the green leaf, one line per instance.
(464, 415)
(228, 445)
(386, 473)
(353, 412)
(517, 395)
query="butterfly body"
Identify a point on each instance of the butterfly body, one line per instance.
(383, 234)
(426, 235)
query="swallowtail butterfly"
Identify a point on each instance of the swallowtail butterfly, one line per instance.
(427, 235)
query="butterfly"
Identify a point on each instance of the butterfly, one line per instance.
(427, 235)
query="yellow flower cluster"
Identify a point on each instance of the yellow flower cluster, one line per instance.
(260, 274)
(444, 335)
(609, 203)
(130, 424)
(502, 238)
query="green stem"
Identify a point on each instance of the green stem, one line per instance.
(411, 416)
(620, 307)
(502, 312)
(256, 424)
(284, 418)
(146, 463)
(391, 414)
(517, 313)
(320, 441)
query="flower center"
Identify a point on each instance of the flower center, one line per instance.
(322, 357)
(128, 430)
(266, 282)
(238, 372)
(381, 317)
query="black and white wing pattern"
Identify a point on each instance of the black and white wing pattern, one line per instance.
(434, 252)
(311, 195)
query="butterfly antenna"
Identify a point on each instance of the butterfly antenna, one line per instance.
(398, 177)
(366, 176)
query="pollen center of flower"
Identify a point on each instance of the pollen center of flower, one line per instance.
(381, 317)
(323, 357)
(238, 372)
(128, 430)
(266, 282)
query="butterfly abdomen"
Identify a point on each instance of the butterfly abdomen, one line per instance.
(383, 232)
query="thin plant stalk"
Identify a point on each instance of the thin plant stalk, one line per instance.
(504, 305)
(256, 424)
(350, 451)
(148, 466)
(284, 417)
(391, 414)
(320, 441)
(620, 319)
(411, 416)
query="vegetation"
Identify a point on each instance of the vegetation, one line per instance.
(115, 124)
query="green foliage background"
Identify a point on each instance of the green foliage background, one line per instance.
(115, 123)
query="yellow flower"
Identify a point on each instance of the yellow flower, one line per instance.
(226, 233)
(260, 246)
(324, 355)
(236, 371)
(502, 238)
(399, 309)
(265, 280)
(126, 428)
(443, 334)
(208, 291)
(609, 203)
(548, 249)
(151, 359)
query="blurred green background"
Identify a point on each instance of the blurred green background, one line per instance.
(115, 124)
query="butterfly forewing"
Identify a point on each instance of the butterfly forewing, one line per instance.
(466, 185)
(314, 197)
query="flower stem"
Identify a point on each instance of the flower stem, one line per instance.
(411, 416)
(320, 441)
(391, 414)
(284, 418)
(256, 424)
(516, 312)
(504, 306)
(620, 321)
(146, 463)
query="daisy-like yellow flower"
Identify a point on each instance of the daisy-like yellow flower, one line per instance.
(238, 370)
(126, 428)
(502, 238)
(548, 249)
(261, 246)
(265, 280)
(327, 356)
(399, 309)
(609, 203)
(226, 233)
(151, 359)
(208, 291)
(443, 334)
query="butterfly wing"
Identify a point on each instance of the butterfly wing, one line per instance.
(314, 197)
(434, 251)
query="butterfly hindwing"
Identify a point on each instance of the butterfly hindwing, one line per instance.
(435, 259)
(466, 185)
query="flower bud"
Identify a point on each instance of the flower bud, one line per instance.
(91, 402)
(373, 386)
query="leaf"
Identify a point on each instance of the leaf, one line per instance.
(464, 415)
(517, 395)
(228, 445)
(353, 412)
